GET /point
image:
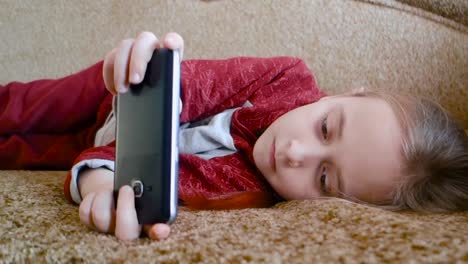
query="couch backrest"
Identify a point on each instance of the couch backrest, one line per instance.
(382, 44)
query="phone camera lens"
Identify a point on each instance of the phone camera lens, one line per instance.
(137, 188)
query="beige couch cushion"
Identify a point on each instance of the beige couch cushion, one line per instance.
(456, 10)
(37, 225)
(379, 44)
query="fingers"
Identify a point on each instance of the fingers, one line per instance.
(97, 211)
(126, 227)
(174, 41)
(85, 210)
(108, 71)
(157, 231)
(121, 61)
(142, 51)
(127, 63)
(103, 212)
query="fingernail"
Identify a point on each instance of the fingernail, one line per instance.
(170, 40)
(164, 233)
(126, 188)
(161, 232)
(122, 89)
(135, 78)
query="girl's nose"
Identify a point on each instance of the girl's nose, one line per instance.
(299, 154)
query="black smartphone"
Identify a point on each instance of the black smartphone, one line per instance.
(147, 139)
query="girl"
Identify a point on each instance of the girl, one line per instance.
(255, 131)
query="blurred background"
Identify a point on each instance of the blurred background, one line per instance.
(415, 46)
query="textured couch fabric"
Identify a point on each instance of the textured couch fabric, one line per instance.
(38, 225)
(412, 46)
(456, 10)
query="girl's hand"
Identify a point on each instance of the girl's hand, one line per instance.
(127, 62)
(98, 212)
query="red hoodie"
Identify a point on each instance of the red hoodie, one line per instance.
(51, 124)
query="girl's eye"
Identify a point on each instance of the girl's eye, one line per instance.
(323, 182)
(324, 128)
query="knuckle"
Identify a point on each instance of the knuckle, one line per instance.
(100, 220)
(110, 54)
(176, 36)
(173, 34)
(101, 211)
(84, 213)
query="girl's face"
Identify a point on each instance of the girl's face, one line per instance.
(340, 146)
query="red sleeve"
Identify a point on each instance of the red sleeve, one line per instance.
(45, 124)
(211, 86)
(52, 106)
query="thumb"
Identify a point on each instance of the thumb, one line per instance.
(126, 226)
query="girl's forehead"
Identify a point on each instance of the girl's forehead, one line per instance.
(372, 143)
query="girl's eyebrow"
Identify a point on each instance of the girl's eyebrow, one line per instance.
(341, 124)
(341, 121)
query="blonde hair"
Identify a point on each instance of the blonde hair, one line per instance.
(435, 156)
